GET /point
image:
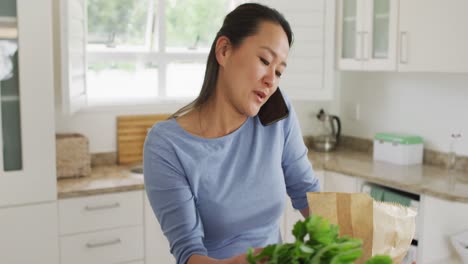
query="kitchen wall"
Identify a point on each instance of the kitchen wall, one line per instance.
(432, 105)
(99, 124)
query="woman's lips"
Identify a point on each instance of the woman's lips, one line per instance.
(260, 96)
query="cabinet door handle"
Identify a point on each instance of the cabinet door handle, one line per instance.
(404, 47)
(102, 207)
(103, 243)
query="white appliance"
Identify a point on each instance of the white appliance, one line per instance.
(460, 243)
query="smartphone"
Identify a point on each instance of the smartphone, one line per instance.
(274, 109)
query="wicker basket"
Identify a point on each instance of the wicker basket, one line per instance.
(73, 157)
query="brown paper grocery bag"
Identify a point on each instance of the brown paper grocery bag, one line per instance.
(353, 213)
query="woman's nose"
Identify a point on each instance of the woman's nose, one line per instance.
(269, 78)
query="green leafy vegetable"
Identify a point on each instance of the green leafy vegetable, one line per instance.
(317, 242)
(379, 259)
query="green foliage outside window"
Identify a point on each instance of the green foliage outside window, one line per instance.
(189, 23)
(117, 22)
(192, 23)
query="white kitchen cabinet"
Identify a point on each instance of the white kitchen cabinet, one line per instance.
(404, 36)
(100, 212)
(28, 207)
(156, 244)
(433, 36)
(320, 174)
(28, 234)
(105, 228)
(291, 215)
(439, 219)
(367, 35)
(106, 246)
(337, 182)
(27, 132)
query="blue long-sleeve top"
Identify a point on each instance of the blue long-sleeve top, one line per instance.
(218, 197)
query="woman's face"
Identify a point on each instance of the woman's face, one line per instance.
(250, 73)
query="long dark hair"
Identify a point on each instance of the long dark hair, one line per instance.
(240, 23)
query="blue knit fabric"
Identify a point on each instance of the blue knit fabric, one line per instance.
(218, 197)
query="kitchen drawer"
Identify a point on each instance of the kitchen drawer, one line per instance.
(100, 212)
(120, 245)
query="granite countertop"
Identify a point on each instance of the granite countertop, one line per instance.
(103, 179)
(420, 179)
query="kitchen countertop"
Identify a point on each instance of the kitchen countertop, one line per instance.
(103, 179)
(420, 179)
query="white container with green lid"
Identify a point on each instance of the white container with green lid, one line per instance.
(403, 149)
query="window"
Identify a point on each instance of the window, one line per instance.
(149, 49)
(125, 51)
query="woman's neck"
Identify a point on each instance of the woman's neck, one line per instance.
(218, 117)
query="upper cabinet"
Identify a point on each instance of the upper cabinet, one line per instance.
(404, 36)
(27, 132)
(367, 34)
(433, 36)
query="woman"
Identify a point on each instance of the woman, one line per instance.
(217, 172)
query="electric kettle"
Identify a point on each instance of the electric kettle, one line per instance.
(330, 129)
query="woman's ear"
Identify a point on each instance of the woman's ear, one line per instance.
(223, 49)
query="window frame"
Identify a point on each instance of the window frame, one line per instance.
(160, 56)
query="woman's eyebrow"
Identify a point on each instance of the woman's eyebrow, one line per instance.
(274, 54)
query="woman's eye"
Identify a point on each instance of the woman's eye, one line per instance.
(278, 74)
(264, 61)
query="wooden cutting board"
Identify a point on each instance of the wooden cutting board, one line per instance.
(131, 135)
